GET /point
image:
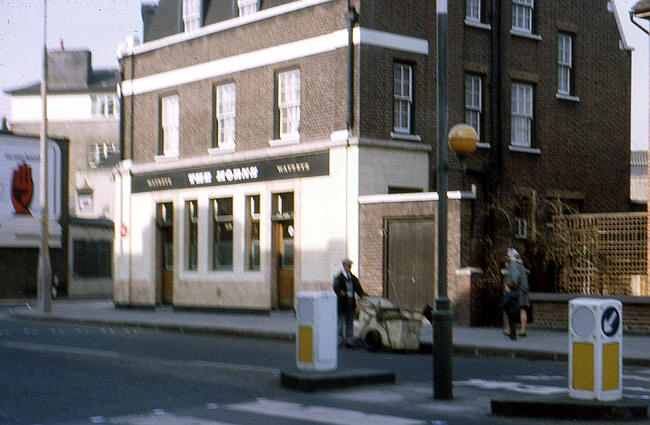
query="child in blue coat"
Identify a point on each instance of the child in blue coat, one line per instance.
(510, 305)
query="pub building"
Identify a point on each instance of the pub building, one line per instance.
(244, 155)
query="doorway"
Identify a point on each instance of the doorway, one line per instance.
(165, 251)
(283, 253)
(410, 262)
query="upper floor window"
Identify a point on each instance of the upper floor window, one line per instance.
(247, 7)
(192, 14)
(289, 103)
(565, 63)
(402, 97)
(522, 115)
(473, 102)
(473, 10)
(105, 106)
(225, 114)
(522, 15)
(169, 126)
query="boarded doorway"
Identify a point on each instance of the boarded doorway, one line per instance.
(410, 262)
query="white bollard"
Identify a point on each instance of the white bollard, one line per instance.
(595, 349)
(316, 330)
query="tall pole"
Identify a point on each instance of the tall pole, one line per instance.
(44, 266)
(442, 316)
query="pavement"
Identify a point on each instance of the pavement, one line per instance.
(475, 341)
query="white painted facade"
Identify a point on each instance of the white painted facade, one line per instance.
(326, 222)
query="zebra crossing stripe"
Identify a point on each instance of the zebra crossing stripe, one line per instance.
(319, 414)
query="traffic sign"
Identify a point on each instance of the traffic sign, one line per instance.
(610, 321)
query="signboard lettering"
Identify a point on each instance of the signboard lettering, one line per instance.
(309, 165)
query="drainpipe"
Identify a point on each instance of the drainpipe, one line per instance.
(494, 167)
(351, 17)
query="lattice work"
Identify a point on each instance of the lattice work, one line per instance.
(604, 254)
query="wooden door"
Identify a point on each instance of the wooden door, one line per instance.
(165, 254)
(410, 262)
(284, 254)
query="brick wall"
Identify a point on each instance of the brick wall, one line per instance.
(551, 311)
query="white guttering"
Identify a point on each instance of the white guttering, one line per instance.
(219, 26)
(624, 44)
(415, 197)
(277, 54)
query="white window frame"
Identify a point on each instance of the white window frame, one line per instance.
(521, 129)
(170, 125)
(192, 15)
(473, 101)
(289, 88)
(402, 97)
(473, 10)
(104, 106)
(226, 114)
(522, 15)
(565, 63)
(247, 7)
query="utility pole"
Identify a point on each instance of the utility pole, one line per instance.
(44, 267)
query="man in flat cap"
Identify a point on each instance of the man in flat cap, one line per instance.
(346, 285)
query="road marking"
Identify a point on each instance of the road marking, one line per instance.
(320, 414)
(166, 419)
(512, 386)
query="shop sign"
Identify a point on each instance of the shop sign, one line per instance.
(310, 165)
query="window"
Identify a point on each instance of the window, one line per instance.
(473, 102)
(402, 97)
(192, 14)
(192, 214)
(253, 232)
(105, 106)
(169, 117)
(247, 7)
(473, 10)
(522, 15)
(289, 103)
(222, 233)
(522, 115)
(92, 259)
(565, 63)
(225, 115)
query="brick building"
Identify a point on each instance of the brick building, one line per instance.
(83, 108)
(252, 130)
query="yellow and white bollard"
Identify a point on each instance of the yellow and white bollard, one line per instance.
(316, 333)
(595, 349)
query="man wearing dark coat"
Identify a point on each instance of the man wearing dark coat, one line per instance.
(346, 285)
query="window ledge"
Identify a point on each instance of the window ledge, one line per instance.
(483, 145)
(165, 158)
(290, 140)
(567, 97)
(523, 149)
(525, 34)
(221, 150)
(406, 136)
(477, 24)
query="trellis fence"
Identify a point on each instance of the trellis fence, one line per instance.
(602, 254)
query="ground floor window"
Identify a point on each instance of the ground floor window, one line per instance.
(92, 259)
(222, 233)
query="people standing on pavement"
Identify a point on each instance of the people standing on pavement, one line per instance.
(518, 275)
(510, 305)
(346, 285)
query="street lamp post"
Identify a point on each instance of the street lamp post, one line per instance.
(462, 139)
(442, 316)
